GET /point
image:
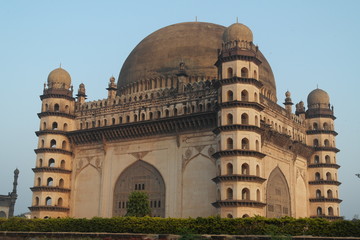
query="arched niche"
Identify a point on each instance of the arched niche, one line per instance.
(149, 178)
(277, 195)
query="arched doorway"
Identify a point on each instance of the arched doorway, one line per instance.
(277, 195)
(2, 214)
(140, 176)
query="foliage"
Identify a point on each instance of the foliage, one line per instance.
(138, 205)
(190, 228)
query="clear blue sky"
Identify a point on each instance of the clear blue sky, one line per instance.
(307, 43)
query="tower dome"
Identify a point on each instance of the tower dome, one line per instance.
(318, 98)
(59, 78)
(238, 31)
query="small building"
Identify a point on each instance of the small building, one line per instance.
(7, 202)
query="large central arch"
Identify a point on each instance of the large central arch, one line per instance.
(140, 176)
(277, 195)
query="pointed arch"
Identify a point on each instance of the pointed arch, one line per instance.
(151, 181)
(277, 195)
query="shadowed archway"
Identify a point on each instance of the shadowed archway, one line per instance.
(140, 176)
(277, 195)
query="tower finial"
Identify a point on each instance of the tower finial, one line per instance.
(195, 18)
(237, 19)
(60, 64)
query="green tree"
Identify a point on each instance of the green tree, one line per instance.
(138, 205)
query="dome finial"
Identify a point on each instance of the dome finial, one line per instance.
(60, 65)
(237, 19)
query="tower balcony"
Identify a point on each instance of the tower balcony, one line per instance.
(329, 217)
(235, 152)
(237, 127)
(321, 131)
(324, 199)
(49, 189)
(238, 203)
(323, 165)
(51, 169)
(326, 148)
(56, 114)
(43, 132)
(324, 182)
(49, 208)
(238, 178)
(52, 150)
(242, 104)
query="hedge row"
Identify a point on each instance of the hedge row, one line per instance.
(211, 225)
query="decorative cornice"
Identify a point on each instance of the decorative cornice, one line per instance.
(324, 165)
(232, 80)
(56, 132)
(324, 182)
(162, 126)
(49, 189)
(56, 114)
(235, 152)
(237, 127)
(49, 208)
(323, 199)
(238, 203)
(50, 169)
(52, 150)
(330, 149)
(238, 178)
(243, 104)
(313, 132)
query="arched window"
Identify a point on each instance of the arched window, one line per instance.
(48, 201)
(51, 162)
(62, 164)
(229, 216)
(184, 109)
(317, 176)
(319, 211)
(158, 114)
(229, 72)
(60, 202)
(37, 201)
(53, 143)
(40, 162)
(330, 211)
(245, 169)
(229, 143)
(229, 119)
(315, 126)
(105, 122)
(63, 145)
(175, 111)
(329, 194)
(46, 107)
(87, 125)
(230, 96)
(244, 72)
(56, 107)
(120, 120)
(200, 107)
(244, 95)
(257, 170)
(318, 193)
(245, 194)
(326, 143)
(49, 182)
(44, 126)
(258, 195)
(327, 159)
(54, 126)
(256, 121)
(328, 176)
(245, 216)
(229, 194)
(255, 74)
(244, 119)
(316, 159)
(38, 181)
(135, 118)
(61, 183)
(127, 119)
(325, 126)
(167, 113)
(65, 128)
(229, 169)
(143, 117)
(257, 145)
(113, 121)
(151, 115)
(42, 143)
(316, 143)
(245, 144)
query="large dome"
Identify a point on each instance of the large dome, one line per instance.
(194, 43)
(318, 98)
